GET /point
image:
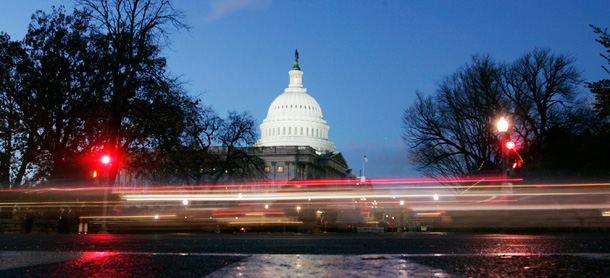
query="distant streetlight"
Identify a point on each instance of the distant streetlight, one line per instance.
(185, 202)
(435, 197)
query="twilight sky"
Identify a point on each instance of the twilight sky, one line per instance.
(363, 60)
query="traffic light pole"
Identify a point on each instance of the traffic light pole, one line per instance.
(504, 150)
(103, 227)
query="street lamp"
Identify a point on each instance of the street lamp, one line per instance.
(502, 126)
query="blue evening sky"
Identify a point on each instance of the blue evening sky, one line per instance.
(363, 60)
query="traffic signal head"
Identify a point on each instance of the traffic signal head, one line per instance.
(517, 164)
(105, 159)
(510, 145)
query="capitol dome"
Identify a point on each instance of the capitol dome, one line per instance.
(295, 118)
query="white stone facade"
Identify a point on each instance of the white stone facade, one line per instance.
(300, 163)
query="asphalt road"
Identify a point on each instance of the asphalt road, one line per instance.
(305, 255)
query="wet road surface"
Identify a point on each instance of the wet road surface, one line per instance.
(305, 255)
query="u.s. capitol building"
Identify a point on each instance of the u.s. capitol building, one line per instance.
(294, 137)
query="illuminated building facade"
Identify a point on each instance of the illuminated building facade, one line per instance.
(294, 137)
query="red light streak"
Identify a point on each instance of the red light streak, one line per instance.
(90, 256)
(315, 185)
(378, 202)
(299, 203)
(246, 210)
(248, 213)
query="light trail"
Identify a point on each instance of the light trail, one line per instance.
(370, 203)
(514, 207)
(318, 185)
(253, 222)
(271, 184)
(342, 201)
(274, 197)
(129, 216)
(247, 213)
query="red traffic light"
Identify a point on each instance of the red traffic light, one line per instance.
(105, 159)
(510, 145)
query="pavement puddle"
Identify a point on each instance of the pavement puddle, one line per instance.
(326, 266)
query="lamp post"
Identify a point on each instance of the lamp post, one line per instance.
(502, 126)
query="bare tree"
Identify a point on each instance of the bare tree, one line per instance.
(235, 162)
(180, 154)
(450, 134)
(540, 86)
